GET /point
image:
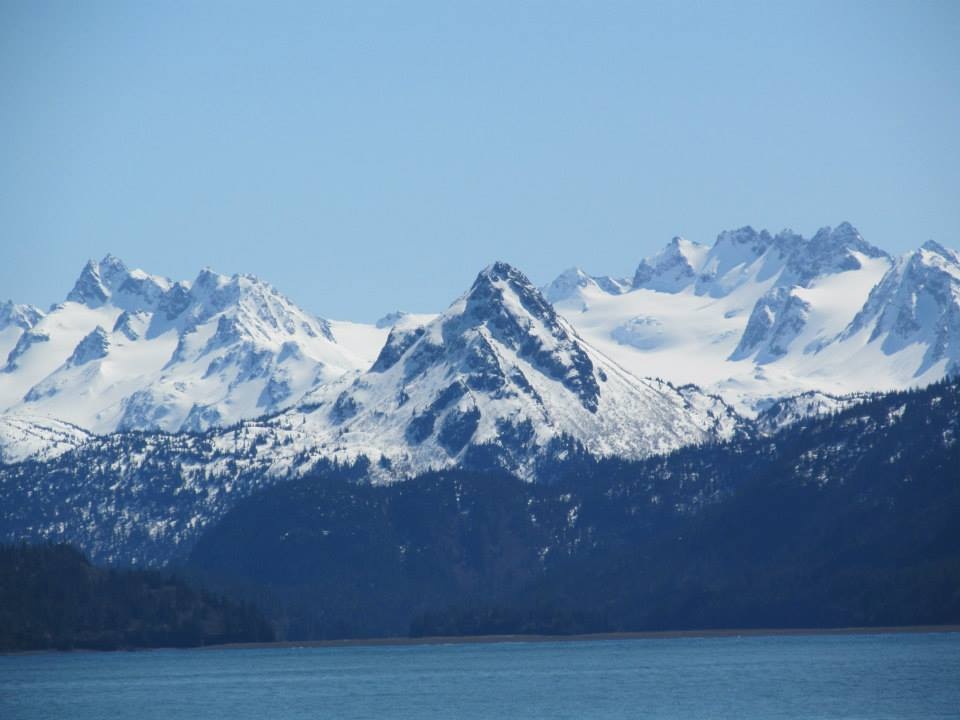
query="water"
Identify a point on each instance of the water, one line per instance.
(865, 676)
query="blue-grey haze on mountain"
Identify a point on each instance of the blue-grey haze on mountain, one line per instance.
(365, 157)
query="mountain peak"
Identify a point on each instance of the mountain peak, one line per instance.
(208, 279)
(98, 280)
(566, 284)
(842, 233)
(571, 281)
(89, 289)
(500, 375)
(112, 268)
(504, 306)
(672, 269)
(844, 236)
(916, 303)
(500, 289)
(830, 251)
(932, 246)
(745, 235)
(499, 271)
(494, 287)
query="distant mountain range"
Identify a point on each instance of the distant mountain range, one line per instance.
(708, 442)
(760, 316)
(701, 344)
(133, 351)
(497, 382)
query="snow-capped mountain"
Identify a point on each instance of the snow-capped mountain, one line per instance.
(917, 304)
(500, 371)
(758, 315)
(753, 318)
(574, 279)
(132, 351)
(499, 380)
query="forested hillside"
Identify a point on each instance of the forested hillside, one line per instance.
(52, 598)
(845, 520)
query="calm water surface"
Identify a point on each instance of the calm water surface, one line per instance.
(853, 676)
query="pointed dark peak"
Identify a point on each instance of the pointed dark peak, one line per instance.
(113, 270)
(89, 288)
(501, 272)
(486, 299)
(98, 280)
(670, 269)
(207, 279)
(502, 308)
(506, 305)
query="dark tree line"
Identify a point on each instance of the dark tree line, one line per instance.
(51, 597)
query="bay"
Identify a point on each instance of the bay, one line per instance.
(811, 676)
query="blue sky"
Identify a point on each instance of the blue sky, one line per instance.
(365, 157)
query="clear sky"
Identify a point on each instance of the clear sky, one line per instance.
(365, 157)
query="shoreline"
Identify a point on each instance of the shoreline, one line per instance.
(586, 637)
(493, 639)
